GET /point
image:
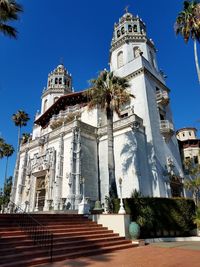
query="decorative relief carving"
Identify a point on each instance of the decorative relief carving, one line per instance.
(41, 162)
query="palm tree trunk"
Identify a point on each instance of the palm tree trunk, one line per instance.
(196, 59)
(18, 142)
(111, 160)
(5, 175)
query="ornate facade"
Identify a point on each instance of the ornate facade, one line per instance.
(69, 142)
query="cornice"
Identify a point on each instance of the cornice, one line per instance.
(126, 39)
(144, 70)
(131, 38)
(54, 90)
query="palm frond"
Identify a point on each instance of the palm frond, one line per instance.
(9, 10)
(8, 30)
(108, 90)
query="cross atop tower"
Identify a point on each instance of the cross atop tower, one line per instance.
(126, 9)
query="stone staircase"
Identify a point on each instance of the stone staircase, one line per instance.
(73, 236)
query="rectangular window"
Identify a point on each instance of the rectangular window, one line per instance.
(196, 160)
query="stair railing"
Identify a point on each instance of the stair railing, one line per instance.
(39, 233)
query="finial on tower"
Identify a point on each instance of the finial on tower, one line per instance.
(61, 61)
(126, 9)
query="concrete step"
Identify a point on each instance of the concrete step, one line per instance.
(56, 230)
(73, 236)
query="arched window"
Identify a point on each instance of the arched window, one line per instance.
(120, 61)
(56, 80)
(68, 83)
(65, 81)
(60, 80)
(129, 28)
(118, 33)
(123, 30)
(55, 99)
(45, 105)
(135, 28)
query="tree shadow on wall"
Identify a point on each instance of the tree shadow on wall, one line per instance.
(136, 157)
(129, 151)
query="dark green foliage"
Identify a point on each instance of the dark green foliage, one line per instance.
(5, 194)
(160, 216)
(110, 204)
(9, 11)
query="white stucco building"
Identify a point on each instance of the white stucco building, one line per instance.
(189, 144)
(69, 143)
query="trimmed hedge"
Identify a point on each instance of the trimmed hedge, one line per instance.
(160, 216)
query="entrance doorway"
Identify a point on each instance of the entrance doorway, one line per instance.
(40, 193)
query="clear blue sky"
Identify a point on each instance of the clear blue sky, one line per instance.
(80, 32)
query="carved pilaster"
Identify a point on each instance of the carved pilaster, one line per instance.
(16, 175)
(23, 178)
(52, 175)
(78, 166)
(74, 196)
(32, 193)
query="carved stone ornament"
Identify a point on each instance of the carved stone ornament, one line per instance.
(43, 162)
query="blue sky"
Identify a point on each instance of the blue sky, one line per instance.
(80, 33)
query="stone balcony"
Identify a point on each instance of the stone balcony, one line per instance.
(166, 129)
(162, 97)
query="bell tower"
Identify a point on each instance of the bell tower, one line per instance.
(133, 55)
(130, 41)
(59, 83)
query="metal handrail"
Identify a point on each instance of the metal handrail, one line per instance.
(39, 233)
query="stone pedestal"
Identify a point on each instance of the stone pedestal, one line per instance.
(83, 207)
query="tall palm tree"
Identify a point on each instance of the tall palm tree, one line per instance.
(109, 93)
(20, 119)
(188, 25)
(8, 150)
(2, 142)
(9, 11)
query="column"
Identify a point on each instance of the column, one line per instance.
(78, 168)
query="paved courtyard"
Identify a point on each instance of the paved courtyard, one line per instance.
(165, 254)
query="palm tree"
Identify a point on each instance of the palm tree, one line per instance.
(188, 25)
(2, 142)
(109, 93)
(8, 150)
(9, 11)
(193, 184)
(20, 119)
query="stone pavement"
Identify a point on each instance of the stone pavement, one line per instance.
(165, 254)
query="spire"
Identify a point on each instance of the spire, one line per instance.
(126, 9)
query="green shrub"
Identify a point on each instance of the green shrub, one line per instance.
(156, 215)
